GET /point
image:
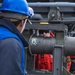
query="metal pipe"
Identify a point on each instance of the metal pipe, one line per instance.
(41, 45)
(51, 4)
(69, 45)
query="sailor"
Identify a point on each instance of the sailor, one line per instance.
(13, 18)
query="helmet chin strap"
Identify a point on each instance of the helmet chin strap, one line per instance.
(24, 25)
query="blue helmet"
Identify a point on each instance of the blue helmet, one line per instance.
(17, 6)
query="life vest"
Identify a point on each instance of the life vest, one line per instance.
(68, 64)
(43, 61)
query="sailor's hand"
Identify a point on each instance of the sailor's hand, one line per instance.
(46, 34)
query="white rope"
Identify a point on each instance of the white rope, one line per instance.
(24, 25)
